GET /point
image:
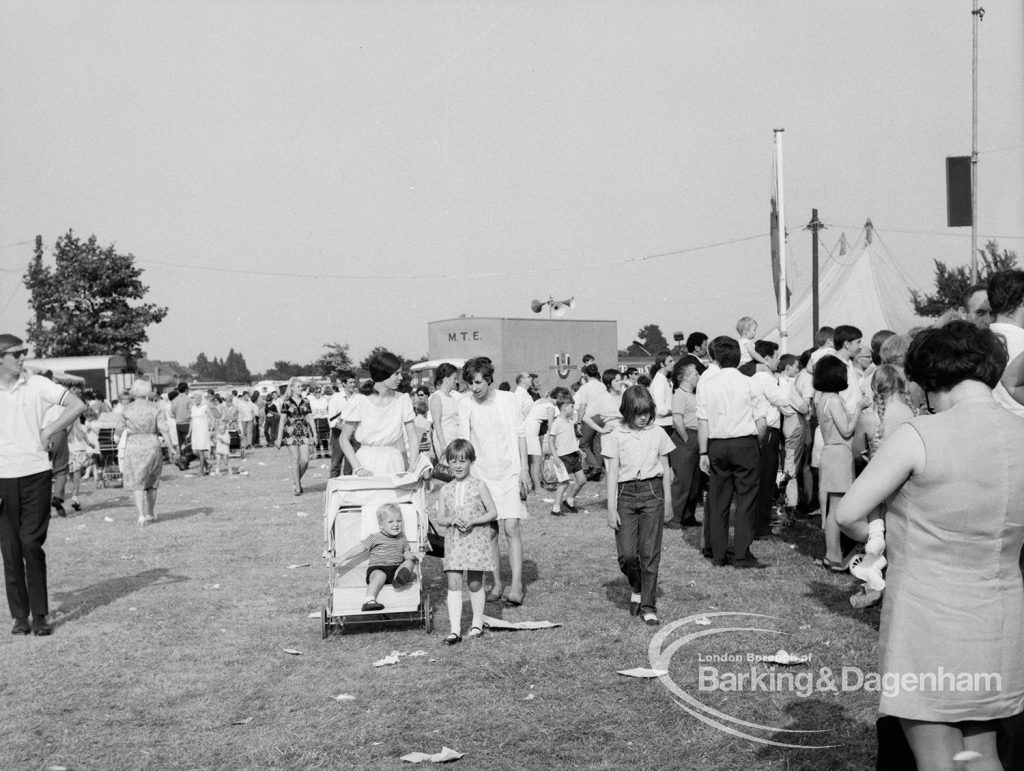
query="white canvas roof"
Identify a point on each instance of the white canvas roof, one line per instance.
(865, 288)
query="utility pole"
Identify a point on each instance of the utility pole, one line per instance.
(814, 226)
(976, 15)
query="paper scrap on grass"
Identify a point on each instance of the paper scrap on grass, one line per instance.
(642, 672)
(301, 514)
(446, 755)
(108, 519)
(292, 651)
(303, 565)
(314, 614)
(414, 654)
(703, 621)
(785, 659)
(528, 697)
(262, 463)
(211, 586)
(391, 658)
(518, 626)
(243, 721)
(344, 697)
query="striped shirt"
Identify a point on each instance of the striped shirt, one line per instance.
(386, 550)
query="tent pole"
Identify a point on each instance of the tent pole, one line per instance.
(814, 226)
(783, 300)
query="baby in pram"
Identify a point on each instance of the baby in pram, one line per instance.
(391, 556)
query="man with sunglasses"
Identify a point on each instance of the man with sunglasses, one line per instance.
(25, 478)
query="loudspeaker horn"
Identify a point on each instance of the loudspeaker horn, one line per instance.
(537, 306)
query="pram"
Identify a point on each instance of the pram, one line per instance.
(350, 514)
(323, 438)
(109, 470)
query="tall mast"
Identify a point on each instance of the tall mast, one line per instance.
(781, 289)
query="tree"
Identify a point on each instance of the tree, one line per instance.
(334, 361)
(651, 342)
(952, 283)
(203, 367)
(365, 363)
(81, 306)
(235, 369)
(282, 370)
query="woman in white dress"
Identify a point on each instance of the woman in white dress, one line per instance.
(493, 424)
(378, 422)
(199, 430)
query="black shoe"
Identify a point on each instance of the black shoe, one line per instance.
(634, 608)
(58, 506)
(719, 563)
(673, 525)
(748, 562)
(371, 605)
(40, 628)
(21, 626)
(571, 508)
(690, 522)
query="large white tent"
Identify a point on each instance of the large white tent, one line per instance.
(864, 287)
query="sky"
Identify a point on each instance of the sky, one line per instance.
(290, 174)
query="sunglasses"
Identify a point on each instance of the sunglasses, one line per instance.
(16, 354)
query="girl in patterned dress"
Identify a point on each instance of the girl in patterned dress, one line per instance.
(467, 509)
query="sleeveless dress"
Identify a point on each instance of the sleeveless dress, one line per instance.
(142, 462)
(836, 470)
(954, 596)
(472, 550)
(296, 426)
(200, 420)
(380, 431)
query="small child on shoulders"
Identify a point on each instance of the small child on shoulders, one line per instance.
(391, 557)
(561, 441)
(746, 327)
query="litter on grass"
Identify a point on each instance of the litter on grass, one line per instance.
(642, 672)
(292, 652)
(301, 514)
(703, 621)
(314, 614)
(391, 658)
(446, 755)
(344, 697)
(211, 586)
(243, 721)
(528, 697)
(108, 519)
(303, 565)
(518, 626)
(785, 659)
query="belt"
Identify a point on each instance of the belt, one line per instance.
(638, 481)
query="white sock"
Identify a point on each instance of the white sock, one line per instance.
(455, 610)
(635, 598)
(570, 501)
(476, 601)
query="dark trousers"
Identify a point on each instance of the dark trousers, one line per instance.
(256, 431)
(641, 507)
(767, 471)
(59, 458)
(339, 463)
(733, 471)
(591, 453)
(24, 519)
(685, 463)
(182, 431)
(270, 428)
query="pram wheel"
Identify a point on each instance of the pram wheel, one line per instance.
(324, 629)
(428, 614)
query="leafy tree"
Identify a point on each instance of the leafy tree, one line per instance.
(282, 370)
(365, 363)
(334, 360)
(235, 369)
(203, 368)
(81, 306)
(651, 339)
(952, 283)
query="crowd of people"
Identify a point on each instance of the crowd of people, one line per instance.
(907, 446)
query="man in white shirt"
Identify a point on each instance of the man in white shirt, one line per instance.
(246, 414)
(522, 393)
(336, 407)
(592, 391)
(728, 432)
(661, 391)
(770, 397)
(1006, 297)
(25, 479)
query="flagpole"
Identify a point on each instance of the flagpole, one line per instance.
(781, 289)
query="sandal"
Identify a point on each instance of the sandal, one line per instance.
(476, 631)
(493, 596)
(452, 639)
(514, 603)
(829, 565)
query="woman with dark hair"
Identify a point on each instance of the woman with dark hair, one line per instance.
(378, 422)
(835, 469)
(954, 598)
(444, 407)
(296, 429)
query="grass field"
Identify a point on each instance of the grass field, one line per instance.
(169, 646)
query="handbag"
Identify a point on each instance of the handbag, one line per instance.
(441, 471)
(549, 473)
(436, 541)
